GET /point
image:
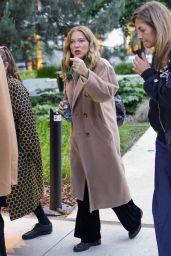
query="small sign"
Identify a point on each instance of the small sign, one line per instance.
(57, 118)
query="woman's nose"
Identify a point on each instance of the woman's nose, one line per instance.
(139, 35)
(76, 44)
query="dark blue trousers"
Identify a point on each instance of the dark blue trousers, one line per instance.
(162, 199)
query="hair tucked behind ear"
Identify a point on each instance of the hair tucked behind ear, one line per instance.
(7, 57)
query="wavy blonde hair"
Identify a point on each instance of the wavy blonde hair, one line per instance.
(157, 16)
(93, 53)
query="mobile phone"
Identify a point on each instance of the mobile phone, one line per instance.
(139, 53)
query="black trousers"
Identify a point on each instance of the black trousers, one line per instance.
(2, 238)
(88, 225)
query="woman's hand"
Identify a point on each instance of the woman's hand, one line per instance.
(140, 64)
(79, 66)
(61, 107)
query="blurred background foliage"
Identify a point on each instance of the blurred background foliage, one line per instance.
(23, 23)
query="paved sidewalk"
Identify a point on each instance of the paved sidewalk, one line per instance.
(139, 169)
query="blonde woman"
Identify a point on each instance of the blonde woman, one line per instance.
(8, 150)
(98, 178)
(153, 25)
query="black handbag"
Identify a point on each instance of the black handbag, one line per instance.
(120, 110)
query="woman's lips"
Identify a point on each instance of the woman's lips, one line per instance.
(77, 52)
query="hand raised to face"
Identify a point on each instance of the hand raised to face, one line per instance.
(79, 66)
(140, 64)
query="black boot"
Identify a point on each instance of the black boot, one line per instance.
(2, 238)
(134, 233)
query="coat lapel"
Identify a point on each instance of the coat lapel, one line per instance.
(78, 88)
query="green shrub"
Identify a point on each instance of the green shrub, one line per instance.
(48, 96)
(42, 111)
(123, 68)
(45, 72)
(132, 93)
(49, 72)
(25, 74)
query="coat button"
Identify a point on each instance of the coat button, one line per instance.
(87, 133)
(85, 115)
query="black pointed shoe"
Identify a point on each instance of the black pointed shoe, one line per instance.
(85, 246)
(135, 232)
(38, 230)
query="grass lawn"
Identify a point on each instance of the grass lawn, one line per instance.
(129, 133)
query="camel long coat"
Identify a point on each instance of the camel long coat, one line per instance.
(95, 143)
(8, 142)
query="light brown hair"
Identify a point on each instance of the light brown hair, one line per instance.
(93, 53)
(157, 16)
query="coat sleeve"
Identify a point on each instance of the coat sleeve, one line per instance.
(158, 88)
(101, 84)
(27, 137)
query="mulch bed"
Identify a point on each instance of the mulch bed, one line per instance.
(66, 195)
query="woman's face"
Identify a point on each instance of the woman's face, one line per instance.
(145, 33)
(79, 45)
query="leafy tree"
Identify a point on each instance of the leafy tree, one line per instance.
(56, 17)
(17, 24)
(119, 51)
(130, 7)
(51, 19)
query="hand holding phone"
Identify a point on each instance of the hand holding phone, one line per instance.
(140, 64)
(139, 53)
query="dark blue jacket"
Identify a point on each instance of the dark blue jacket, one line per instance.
(158, 86)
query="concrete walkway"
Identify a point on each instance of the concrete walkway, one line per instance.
(139, 169)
